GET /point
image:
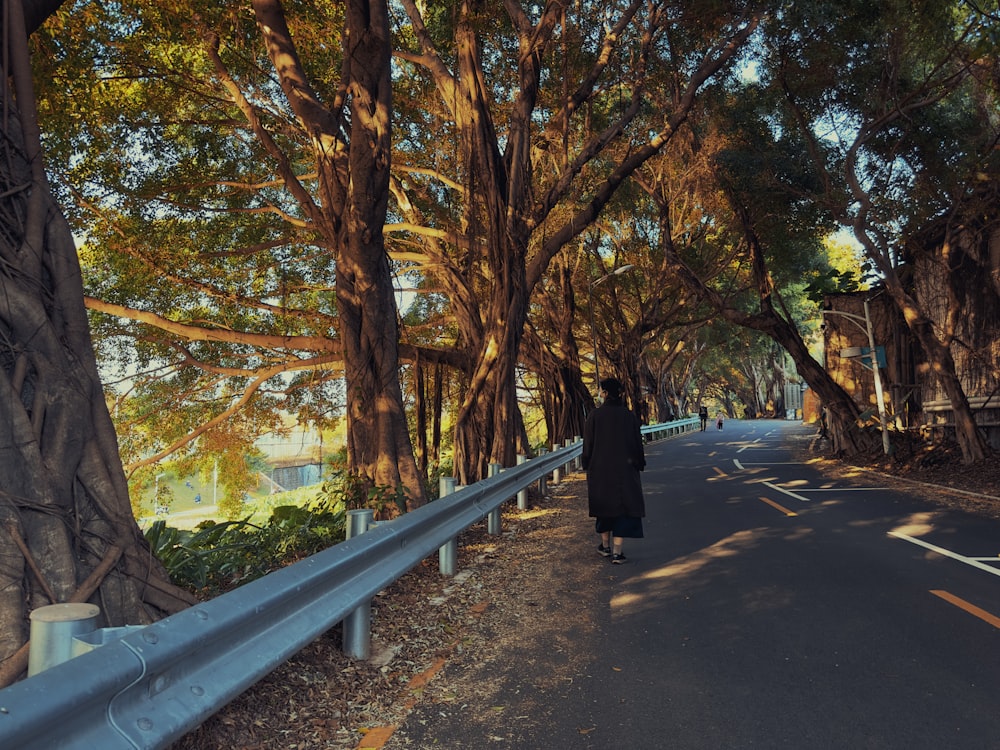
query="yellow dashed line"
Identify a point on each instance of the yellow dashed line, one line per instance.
(972, 609)
(779, 507)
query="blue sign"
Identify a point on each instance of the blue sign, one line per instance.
(866, 356)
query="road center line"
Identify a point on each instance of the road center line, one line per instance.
(946, 553)
(779, 507)
(972, 609)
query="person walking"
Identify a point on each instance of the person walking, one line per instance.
(703, 416)
(613, 456)
(719, 420)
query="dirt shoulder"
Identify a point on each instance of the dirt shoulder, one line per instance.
(323, 699)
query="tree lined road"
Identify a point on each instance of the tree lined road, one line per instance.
(768, 606)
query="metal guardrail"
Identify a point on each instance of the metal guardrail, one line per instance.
(670, 429)
(155, 684)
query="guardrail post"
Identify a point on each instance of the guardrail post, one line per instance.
(493, 518)
(578, 461)
(358, 624)
(522, 495)
(542, 480)
(52, 630)
(569, 465)
(557, 471)
(447, 552)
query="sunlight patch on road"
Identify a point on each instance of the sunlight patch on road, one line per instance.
(643, 591)
(917, 524)
(762, 480)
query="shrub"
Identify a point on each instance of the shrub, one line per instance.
(216, 557)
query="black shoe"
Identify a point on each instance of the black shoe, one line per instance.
(603, 551)
(618, 559)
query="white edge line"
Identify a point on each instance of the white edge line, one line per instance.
(946, 553)
(779, 463)
(738, 464)
(845, 489)
(787, 492)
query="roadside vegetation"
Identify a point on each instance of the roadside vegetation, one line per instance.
(276, 530)
(215, 557)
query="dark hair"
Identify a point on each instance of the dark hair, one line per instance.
(613, 387)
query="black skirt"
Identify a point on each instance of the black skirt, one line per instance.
(629, 527)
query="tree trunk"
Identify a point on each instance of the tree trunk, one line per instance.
(420, 407)
(486, 429)
(550, 350)
(970, 440)
(354, 187)
(437, 409)
(67, 507)
(564, 397)
(378, 440)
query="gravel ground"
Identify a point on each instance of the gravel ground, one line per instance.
(321, 699)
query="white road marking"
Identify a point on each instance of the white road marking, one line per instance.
(845, 489)
(752, 445)
(971, 561)
(743, 466)
(787, 492)
(776, 463)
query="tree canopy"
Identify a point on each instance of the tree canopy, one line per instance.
(534, 151)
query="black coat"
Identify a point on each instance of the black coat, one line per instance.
(613, 457)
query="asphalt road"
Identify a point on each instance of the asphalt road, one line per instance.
(767, 607)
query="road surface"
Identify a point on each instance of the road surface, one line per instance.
(766, 607)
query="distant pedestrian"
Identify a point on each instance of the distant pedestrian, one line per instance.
(613, 456)
(718, 421)
(703, 416)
